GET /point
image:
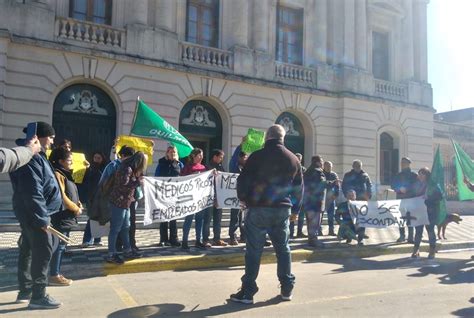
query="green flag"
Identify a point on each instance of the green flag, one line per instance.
(253, 141)
(464, 169)
(437, 180)
(149, 124)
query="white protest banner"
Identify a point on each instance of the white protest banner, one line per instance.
(173, 198)
(226, 190)
(381, 214)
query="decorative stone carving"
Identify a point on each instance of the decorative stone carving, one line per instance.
(199, 116)
(289, 126)
(84, 102)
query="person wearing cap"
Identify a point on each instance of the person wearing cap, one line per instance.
(12, 159)
(36, 196)
(404, 185)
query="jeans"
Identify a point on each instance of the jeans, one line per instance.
(313, 222)
(410, 233)
(236, 221)
(133, 226)
(55, 264)
(258, 223)
(119, 225)
(300, 224)
(419, 235)
(216, 215)
(36, 249)
(173, 237)
(188, 221)
(87, 238)
(330, 207)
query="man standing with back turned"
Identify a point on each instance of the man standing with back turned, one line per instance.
(271, 186)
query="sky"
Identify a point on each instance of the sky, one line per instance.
(451, 53)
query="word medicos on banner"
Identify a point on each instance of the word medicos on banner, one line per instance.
(226, 190)
(169, 199)
(382, 214)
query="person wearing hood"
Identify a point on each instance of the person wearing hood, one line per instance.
(36, 196)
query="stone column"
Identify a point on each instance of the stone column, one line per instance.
(321, 30)
(349, 34)
(261, 20)
(361, 33)
(407, 42)
(238, 22)
(62, 8)
(138, 12)
(165, 14)
(420, 40)
(335, 31)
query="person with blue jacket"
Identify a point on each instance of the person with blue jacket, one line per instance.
(36, 196)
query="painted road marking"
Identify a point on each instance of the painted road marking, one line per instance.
(126, 298)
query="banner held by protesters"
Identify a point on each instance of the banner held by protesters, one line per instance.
(168, 199)
(226, 191)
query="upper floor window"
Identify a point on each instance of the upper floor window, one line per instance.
(203, 22)
(289, 35)
(388, 159)
(97, 11)
(380, 56)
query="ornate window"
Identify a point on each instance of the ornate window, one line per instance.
(388, 159)
(97, 11)
(202, 23)
(380, 56)
(289, 35)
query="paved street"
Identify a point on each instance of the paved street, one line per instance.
(390, 286)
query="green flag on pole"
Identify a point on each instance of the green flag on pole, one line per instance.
(149, 124)
(464, 169)
(437, 180)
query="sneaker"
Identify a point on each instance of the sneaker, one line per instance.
(233, 242)
(219, 243)
(331, 233)
(415, 255)
(59, 280)
(86, 245)
(243, 241)
(23, 297)
(242, 297)
(201, 245)
(132, 255)
(47, 302)
(360, 243)
(286, 294)
(98, 244)
(163, 244)
(114, 259)
(301, 235)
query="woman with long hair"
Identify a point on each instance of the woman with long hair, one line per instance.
(194, 166)
(127, 178)
(90, 185)
(65, 220)
(433, 196)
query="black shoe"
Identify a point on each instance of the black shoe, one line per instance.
(162, 244)
(185, 246)
(175, 243)
(366, 236)
(268, 243)
(200, 245)
(135, 249)
(348, 241)
(331, 233)
(286, 294)
(114, 259)
(401, 239)
(410, 241)
(360, 243)
(23, 297)
(242, 297)
(301, 235)
(47, 302)
(132, 255)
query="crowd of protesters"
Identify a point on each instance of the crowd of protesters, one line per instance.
(45, 194)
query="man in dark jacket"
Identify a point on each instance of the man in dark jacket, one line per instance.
(217, 156)
(314, 199)
(359, 181)
(236, 215)
(332, 192)
(36, 196)
(271, 186)
(404, 185)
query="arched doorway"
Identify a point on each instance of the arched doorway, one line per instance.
(86, 115)
(294, 139)
(201, 124)
(388, 158)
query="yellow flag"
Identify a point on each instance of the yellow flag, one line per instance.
(139, 144)
(79, 165)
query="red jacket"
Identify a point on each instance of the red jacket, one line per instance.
(192, 169)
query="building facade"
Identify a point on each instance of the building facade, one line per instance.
(346, 78)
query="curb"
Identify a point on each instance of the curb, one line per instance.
(194, 262)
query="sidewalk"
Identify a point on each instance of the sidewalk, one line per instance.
(167, 258)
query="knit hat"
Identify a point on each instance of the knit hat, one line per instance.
(43, 130)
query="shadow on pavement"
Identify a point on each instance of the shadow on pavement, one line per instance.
(175, 310)
(465, 312)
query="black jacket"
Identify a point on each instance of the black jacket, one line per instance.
(218, 167)
(36, 192)
(359, 182)
(271, 177)
(315, 190)
(332, 187)
(406, 179)
(168, 168)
